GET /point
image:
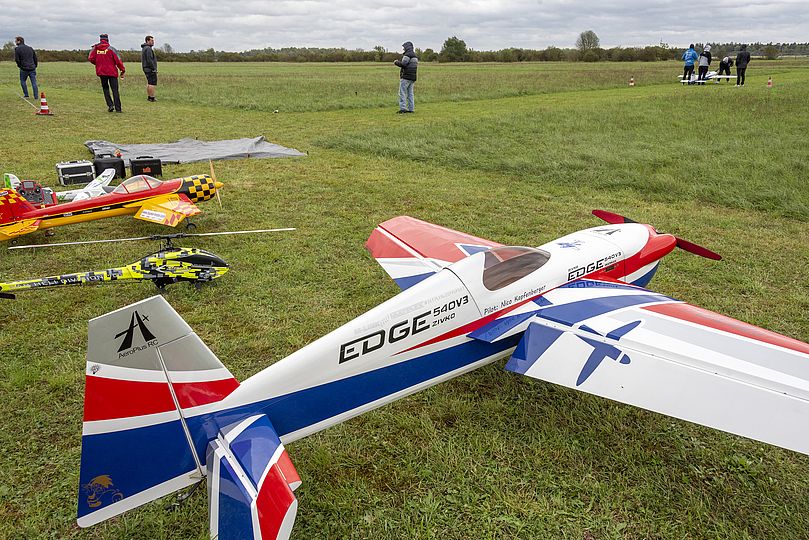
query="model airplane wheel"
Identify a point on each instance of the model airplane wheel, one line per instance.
(190, 226)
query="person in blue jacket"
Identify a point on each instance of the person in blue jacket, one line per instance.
(690, 56)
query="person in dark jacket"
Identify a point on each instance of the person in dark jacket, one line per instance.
(149, 63)
(704, 62)
(26, 59)
(108, 63)
(742, 59)
(408, 66)
(724, 66)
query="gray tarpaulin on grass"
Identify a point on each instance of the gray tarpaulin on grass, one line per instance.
(191, 150)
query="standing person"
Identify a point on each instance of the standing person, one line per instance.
(742, 59)
(724, 66)
(149, 63)
(26, 58)
(690, 56)
(107, 63)
(408, 65)
(704, 62)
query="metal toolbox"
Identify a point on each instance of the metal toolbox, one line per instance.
(75, 172)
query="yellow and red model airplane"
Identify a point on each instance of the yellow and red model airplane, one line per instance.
(165, 202)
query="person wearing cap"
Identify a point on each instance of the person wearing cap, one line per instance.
(742, 59)
(689, 56)
(149, 63)
(26, 58)
(408, 66)
(704, 62)
(108, 63)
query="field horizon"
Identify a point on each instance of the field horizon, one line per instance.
(517, 153)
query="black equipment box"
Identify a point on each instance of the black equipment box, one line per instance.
(108, 161)
(75, 172)
(146, 165)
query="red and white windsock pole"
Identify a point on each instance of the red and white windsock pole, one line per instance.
(43, 106)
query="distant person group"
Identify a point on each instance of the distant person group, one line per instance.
(108, 64)
(703, 60)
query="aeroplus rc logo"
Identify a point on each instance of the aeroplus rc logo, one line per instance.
(139, 322)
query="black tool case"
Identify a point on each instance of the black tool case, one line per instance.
(146, 165)
(75, 172)
(108, 161)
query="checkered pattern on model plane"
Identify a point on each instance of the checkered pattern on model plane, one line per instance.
(10, 197)
(200, 188)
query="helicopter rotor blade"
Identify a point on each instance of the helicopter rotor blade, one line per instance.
(31, 246)
(241, 232)
(152, 237)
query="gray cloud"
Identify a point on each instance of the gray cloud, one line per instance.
(484, 25)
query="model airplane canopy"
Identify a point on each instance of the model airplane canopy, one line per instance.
(161, 411)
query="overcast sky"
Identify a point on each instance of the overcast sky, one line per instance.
(483, 24)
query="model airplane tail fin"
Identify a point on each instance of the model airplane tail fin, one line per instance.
(250, 483)
(148, 376)
(12, 205)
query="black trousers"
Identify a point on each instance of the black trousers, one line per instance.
(740, 76)
(703, 71)
(107, 84)
(687, 72)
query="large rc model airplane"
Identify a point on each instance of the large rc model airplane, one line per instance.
(161, 412)
(165, 202)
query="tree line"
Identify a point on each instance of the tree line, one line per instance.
(454, 49)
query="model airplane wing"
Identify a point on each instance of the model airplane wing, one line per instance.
(167, 209)
(91, 190)
(20, 228)
(642, 348)
(410, 250)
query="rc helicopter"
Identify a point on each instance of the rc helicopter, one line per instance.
(170, 264)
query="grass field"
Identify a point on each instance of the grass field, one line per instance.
(519, 154)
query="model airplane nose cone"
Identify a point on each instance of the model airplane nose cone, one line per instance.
(218, 185)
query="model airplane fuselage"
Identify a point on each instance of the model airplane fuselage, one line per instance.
(161, 411)
(165, 202)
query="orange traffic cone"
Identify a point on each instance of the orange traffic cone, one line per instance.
(769, 82)
(43, 106)
(632, 81)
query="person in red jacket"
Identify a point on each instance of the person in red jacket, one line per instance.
(107, 63)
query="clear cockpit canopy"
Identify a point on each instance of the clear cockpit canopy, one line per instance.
(137, 184)
(505, 265)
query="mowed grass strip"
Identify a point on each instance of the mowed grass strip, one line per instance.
(491, 454)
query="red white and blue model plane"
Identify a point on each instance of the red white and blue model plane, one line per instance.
(162, 412)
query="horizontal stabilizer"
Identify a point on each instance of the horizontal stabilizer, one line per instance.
(679, 360)
(250, 483)
(411, 250)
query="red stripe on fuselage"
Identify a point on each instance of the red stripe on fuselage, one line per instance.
(703, 317)
(110, 199)
(469, 327)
